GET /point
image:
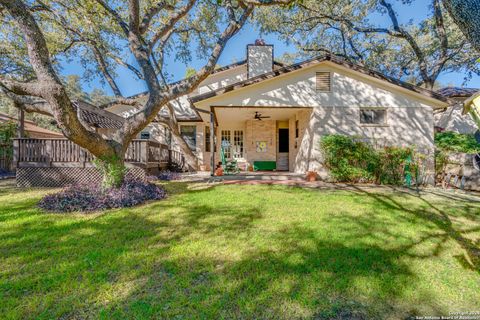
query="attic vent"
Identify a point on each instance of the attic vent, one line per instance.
(323, 82)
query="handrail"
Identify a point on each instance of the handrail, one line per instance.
(59, 150)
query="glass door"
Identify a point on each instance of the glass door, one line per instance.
(232, 144)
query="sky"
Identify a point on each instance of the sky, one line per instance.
(236, 50)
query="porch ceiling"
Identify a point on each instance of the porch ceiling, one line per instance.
(240, 114)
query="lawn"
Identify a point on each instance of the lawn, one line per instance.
(244, 252)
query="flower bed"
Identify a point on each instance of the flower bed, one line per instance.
(87, 198)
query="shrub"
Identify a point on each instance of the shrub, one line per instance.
(457, 142)
(87, 198)
(393, 161)
(349, 160)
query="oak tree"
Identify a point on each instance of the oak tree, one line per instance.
(414, 51)
(150, 30)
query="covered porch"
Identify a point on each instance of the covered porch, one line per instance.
(258, 138)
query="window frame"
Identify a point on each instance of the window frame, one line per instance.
(365, 124)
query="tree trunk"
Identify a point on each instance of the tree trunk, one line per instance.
(113, 170)
(466, 14)
(190, 158)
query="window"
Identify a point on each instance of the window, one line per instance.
(145, 135)
(323, 82)
(189, 134)
(296, 129)
(226, 145)
(238, 144)
(207, 139)
(373, 116)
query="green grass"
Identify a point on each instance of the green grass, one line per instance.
(249, 252)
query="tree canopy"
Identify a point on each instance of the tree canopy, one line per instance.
(414, 51)
(100, 31)
(465, 14)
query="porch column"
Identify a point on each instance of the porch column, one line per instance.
(212, 143)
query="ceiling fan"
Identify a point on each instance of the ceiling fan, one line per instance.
(258, 116)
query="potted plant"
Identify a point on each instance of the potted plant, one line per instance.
(311, 176)
(219, 170)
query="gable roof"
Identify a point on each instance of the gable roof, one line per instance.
(316, 60)
(451, 92)
(183, 114)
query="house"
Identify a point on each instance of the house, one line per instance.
(270, 116)
(454, 118)
(31, 129)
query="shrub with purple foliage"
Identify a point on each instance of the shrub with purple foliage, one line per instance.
(93, 198)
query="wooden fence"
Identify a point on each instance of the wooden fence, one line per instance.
(65, 153)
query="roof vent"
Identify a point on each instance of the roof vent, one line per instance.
(259, 58)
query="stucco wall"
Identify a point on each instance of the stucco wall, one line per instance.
(405, 127)
(222, 79)
(452, 119)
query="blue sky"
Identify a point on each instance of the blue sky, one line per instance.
(236, 49)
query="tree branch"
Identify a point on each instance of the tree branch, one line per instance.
(116, 16)
(27, 103)
(183, 86)
(171, 21)
(155, 103)
(21, 88)
(126, 65)
(441, 32)
(151, 12)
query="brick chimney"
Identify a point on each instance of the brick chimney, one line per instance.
(259, 58)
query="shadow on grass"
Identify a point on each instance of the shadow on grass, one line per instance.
(443, 221)
(183, 258)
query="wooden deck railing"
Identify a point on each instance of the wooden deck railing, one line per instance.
(63, 152)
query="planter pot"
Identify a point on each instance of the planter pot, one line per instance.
(219, 172)
(250, 168)
(311, 176)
